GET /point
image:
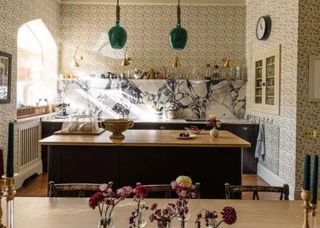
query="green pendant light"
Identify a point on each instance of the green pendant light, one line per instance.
(178, 35)
(117, 34)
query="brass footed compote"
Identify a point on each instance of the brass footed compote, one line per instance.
(117, 126)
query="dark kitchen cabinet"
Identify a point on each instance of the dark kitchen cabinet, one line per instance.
(47, 129)
(246, 131)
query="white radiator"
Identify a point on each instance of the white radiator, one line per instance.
(28, 157)
(28, 145)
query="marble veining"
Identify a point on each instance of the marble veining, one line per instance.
(138, 99)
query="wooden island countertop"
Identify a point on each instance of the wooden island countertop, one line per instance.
(150, 138)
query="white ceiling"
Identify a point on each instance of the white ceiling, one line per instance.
(183, 2)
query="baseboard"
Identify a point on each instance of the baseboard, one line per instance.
(22, 175)
(274, 180)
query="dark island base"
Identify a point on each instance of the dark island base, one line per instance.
(212, 167)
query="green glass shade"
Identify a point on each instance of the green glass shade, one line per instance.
(117, 36)
(178, 37)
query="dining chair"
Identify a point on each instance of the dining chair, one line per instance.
(165, 190)
(231, 191)
(72, 189)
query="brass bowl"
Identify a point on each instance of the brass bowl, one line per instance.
(117, 126)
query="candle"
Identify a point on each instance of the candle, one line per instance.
(10, 150)
(315, 180)
(306, 178)
(1, 163)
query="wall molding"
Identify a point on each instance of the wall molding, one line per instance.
(274, 180)
(156, 2)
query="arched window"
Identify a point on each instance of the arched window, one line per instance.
(36, 65)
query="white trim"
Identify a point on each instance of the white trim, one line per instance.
(263, 107)
(156, 2)
(25, 173)
(313, 77)
(274, 180)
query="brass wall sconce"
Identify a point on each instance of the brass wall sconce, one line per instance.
(126, 61)
(176, 62)
(76, 61)
(227, 63)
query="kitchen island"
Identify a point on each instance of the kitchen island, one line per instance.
(147, 156)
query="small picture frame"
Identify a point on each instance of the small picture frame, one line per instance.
(314, 78)
(5, 77)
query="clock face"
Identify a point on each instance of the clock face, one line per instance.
(263, 28)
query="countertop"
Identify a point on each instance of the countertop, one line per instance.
(173, 121)
(149, 138)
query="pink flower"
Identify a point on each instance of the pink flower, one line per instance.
(106, 187)
(154, 206)
(103, 187)
(173, 184)
(141, 191)
(96, 199)
(183, 193)
(125, 191)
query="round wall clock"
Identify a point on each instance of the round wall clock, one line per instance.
(263, 28)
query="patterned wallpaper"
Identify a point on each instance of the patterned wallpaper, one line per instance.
(14, 13)
(284, 15)
(215, 32)
(307, 113)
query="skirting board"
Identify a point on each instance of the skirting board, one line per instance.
(22, 175)
(274, 179)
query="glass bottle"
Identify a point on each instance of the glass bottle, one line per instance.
(208, 72)
(216, 72)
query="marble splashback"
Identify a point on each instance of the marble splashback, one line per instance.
(143, 99)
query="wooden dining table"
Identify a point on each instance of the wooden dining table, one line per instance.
(36, 212)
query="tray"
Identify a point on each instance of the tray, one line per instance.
(100, 131)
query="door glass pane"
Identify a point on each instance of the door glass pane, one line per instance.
(270, 82)
(258, 82)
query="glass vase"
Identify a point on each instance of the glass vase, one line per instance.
(183, 221)
(140, 220)
(214, 132)
(106, 223)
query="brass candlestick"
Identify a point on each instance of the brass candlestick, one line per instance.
(9, 194)
(2, 183)
(314, 210)
(314, 216)
(306, 196)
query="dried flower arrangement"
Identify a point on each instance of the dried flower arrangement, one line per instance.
(213, 121)
(106, 200)
(185, 190)
(136, 219)
(229, 216)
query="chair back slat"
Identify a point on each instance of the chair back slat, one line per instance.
(55, 190)
(231, 190)
(167, 190)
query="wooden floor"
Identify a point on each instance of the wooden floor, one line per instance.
(36, 186)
